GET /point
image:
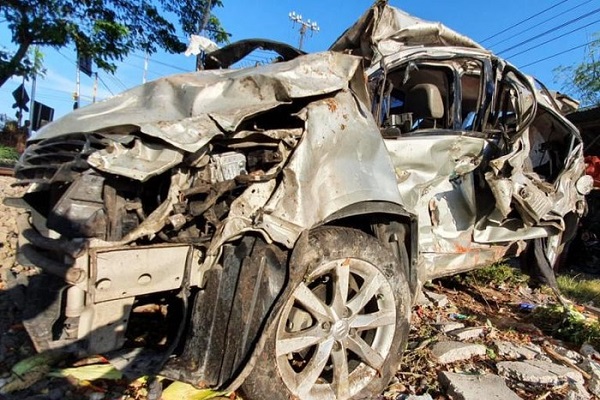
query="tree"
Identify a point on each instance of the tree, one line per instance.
(583, 80)
(104, 30)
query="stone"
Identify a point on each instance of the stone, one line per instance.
(467, 333)
(511, 350)
(476, 387)
(592, 368)
(587, 350)
(570, 354)
(422, 300)
(451, 351)
(439, 300)
(425, 396)
(449, 326)
(538, 372)
(577, 391)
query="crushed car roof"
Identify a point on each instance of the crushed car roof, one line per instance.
(385, 30)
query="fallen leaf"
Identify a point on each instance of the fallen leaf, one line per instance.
(89, 372)
(179, 390)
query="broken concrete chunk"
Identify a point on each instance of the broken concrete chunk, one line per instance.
(570, 354)
(577, 391)
(449, 326)
(592, 368)
(537, 372)
(439, 300)
(450, 351)
(425, 396)
(467, 333)
(511, 350)
(476, 387)
(587, 350)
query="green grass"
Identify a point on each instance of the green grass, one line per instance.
(8, 153)
(496, 274)
(580, 289)
(567, 324)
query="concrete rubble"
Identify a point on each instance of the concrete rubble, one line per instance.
(519, 366)
(476, 387)
(514, 351)
(451, 351)
(538, 372)
(467, 333)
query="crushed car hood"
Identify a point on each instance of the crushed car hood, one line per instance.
(187, 110)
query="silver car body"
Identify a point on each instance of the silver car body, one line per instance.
(294, 145)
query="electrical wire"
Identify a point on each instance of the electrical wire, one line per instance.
(553, 29)
(161, 63)
(514, 35)
(557, 54)
(105, 85)
(523, 21)
(553, 39)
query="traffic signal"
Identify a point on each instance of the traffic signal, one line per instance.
(21, 98)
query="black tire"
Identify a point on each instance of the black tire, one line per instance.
(328, 344)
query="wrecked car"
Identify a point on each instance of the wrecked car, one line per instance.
(279, 220)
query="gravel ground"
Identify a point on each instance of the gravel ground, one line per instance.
(14, 342)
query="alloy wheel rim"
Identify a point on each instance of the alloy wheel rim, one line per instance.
(336, 330)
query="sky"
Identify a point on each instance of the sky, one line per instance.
(531, 34)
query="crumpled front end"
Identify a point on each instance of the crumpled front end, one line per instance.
(147, 195)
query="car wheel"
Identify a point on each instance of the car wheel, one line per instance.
(341, 332)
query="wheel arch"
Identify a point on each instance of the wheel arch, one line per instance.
(391, 223)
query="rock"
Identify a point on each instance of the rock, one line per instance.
(476, 387)
(425, 396)
(592, 368)
(537, 372)
(422, 300)
(467, 333)
(587, 350)
(449, 351)
(570, 354)
(511, 350)
(448, 326)
(438, 300)
(577, 391)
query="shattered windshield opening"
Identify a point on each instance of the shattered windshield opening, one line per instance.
(440, 95)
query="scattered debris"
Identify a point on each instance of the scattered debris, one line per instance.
(450, 351)
(476, 387)
(537, 372)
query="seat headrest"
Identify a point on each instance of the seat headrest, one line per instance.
(425, 101)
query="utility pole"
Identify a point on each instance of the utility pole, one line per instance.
(201, 27)
(95, 87)
(304, 26)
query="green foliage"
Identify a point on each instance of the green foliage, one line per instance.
(104, 30)
(580, 289)
(8, 153)
(495, 274)
(583, 80)
(567, 324)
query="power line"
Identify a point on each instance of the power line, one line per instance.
(553, 39)
(105, 85)
(544, 22)
(557, 54)
(550, 30)
(162, 63)
(523, 21)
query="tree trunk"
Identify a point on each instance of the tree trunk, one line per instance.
(8, 70)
